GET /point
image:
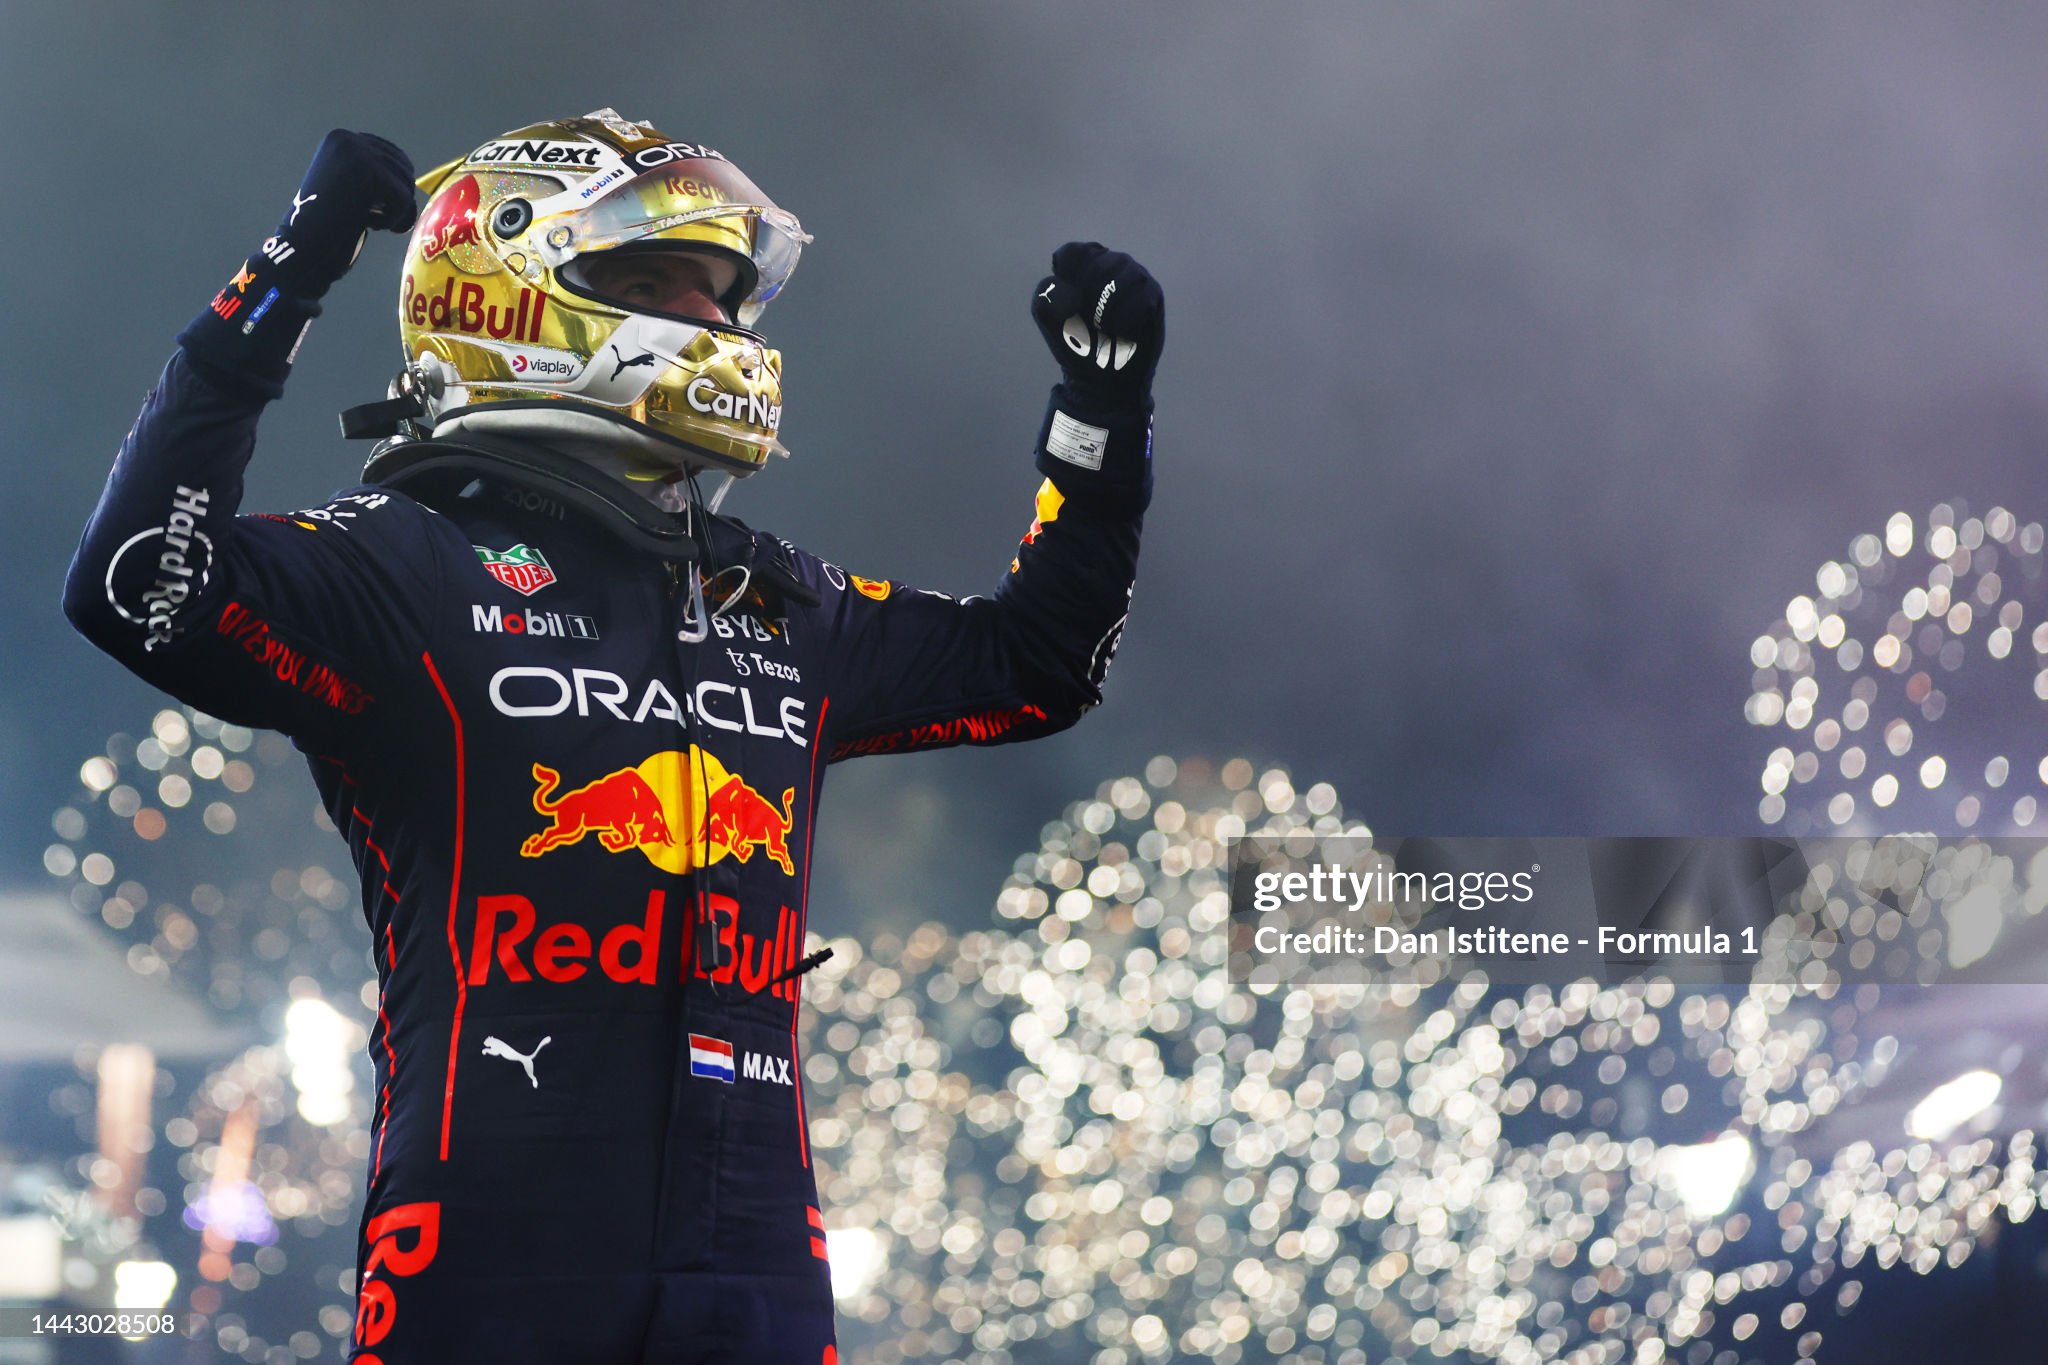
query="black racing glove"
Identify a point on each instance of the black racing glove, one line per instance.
(1104, 318)
(250, 333)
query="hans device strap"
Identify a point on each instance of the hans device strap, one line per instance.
(439, 468)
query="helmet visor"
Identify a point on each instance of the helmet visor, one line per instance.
(700, 201)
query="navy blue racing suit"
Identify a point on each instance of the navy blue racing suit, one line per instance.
(584, 845)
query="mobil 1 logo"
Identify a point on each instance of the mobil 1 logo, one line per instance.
(553, 625)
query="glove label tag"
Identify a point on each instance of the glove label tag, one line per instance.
(1076, 442)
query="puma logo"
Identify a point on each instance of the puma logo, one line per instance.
(297, 204)
(498, 1047)
(644, 358)
(1050, 285)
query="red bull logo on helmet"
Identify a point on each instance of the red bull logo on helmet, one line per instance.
(683, 810)
(468, 311)
(450, 221)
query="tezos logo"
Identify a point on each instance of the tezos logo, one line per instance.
(767, 667)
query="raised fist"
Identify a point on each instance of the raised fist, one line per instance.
(1104, 318)
(251, 330)
(357, 182)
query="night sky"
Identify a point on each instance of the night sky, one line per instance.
(1522, 362)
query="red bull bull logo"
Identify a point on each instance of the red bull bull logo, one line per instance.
(1045, 510)
(620, 808)
(737, 819)
(683, 810)
(450, 221)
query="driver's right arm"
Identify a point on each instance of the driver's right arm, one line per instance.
(298, 623)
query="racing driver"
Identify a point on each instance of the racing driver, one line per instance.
(573, 723)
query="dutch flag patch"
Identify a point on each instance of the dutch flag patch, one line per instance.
(711, 1057)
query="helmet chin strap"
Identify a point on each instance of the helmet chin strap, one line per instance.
(403, 401)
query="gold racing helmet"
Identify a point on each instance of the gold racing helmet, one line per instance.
(505, 336)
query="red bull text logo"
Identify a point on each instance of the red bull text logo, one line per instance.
(467, 312)
(683, 810)
(377, 1302)
(511, 945)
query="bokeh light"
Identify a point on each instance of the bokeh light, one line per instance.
(1067, 1136)
(1888, 692)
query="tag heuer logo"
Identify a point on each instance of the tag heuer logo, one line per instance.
(522, 568)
